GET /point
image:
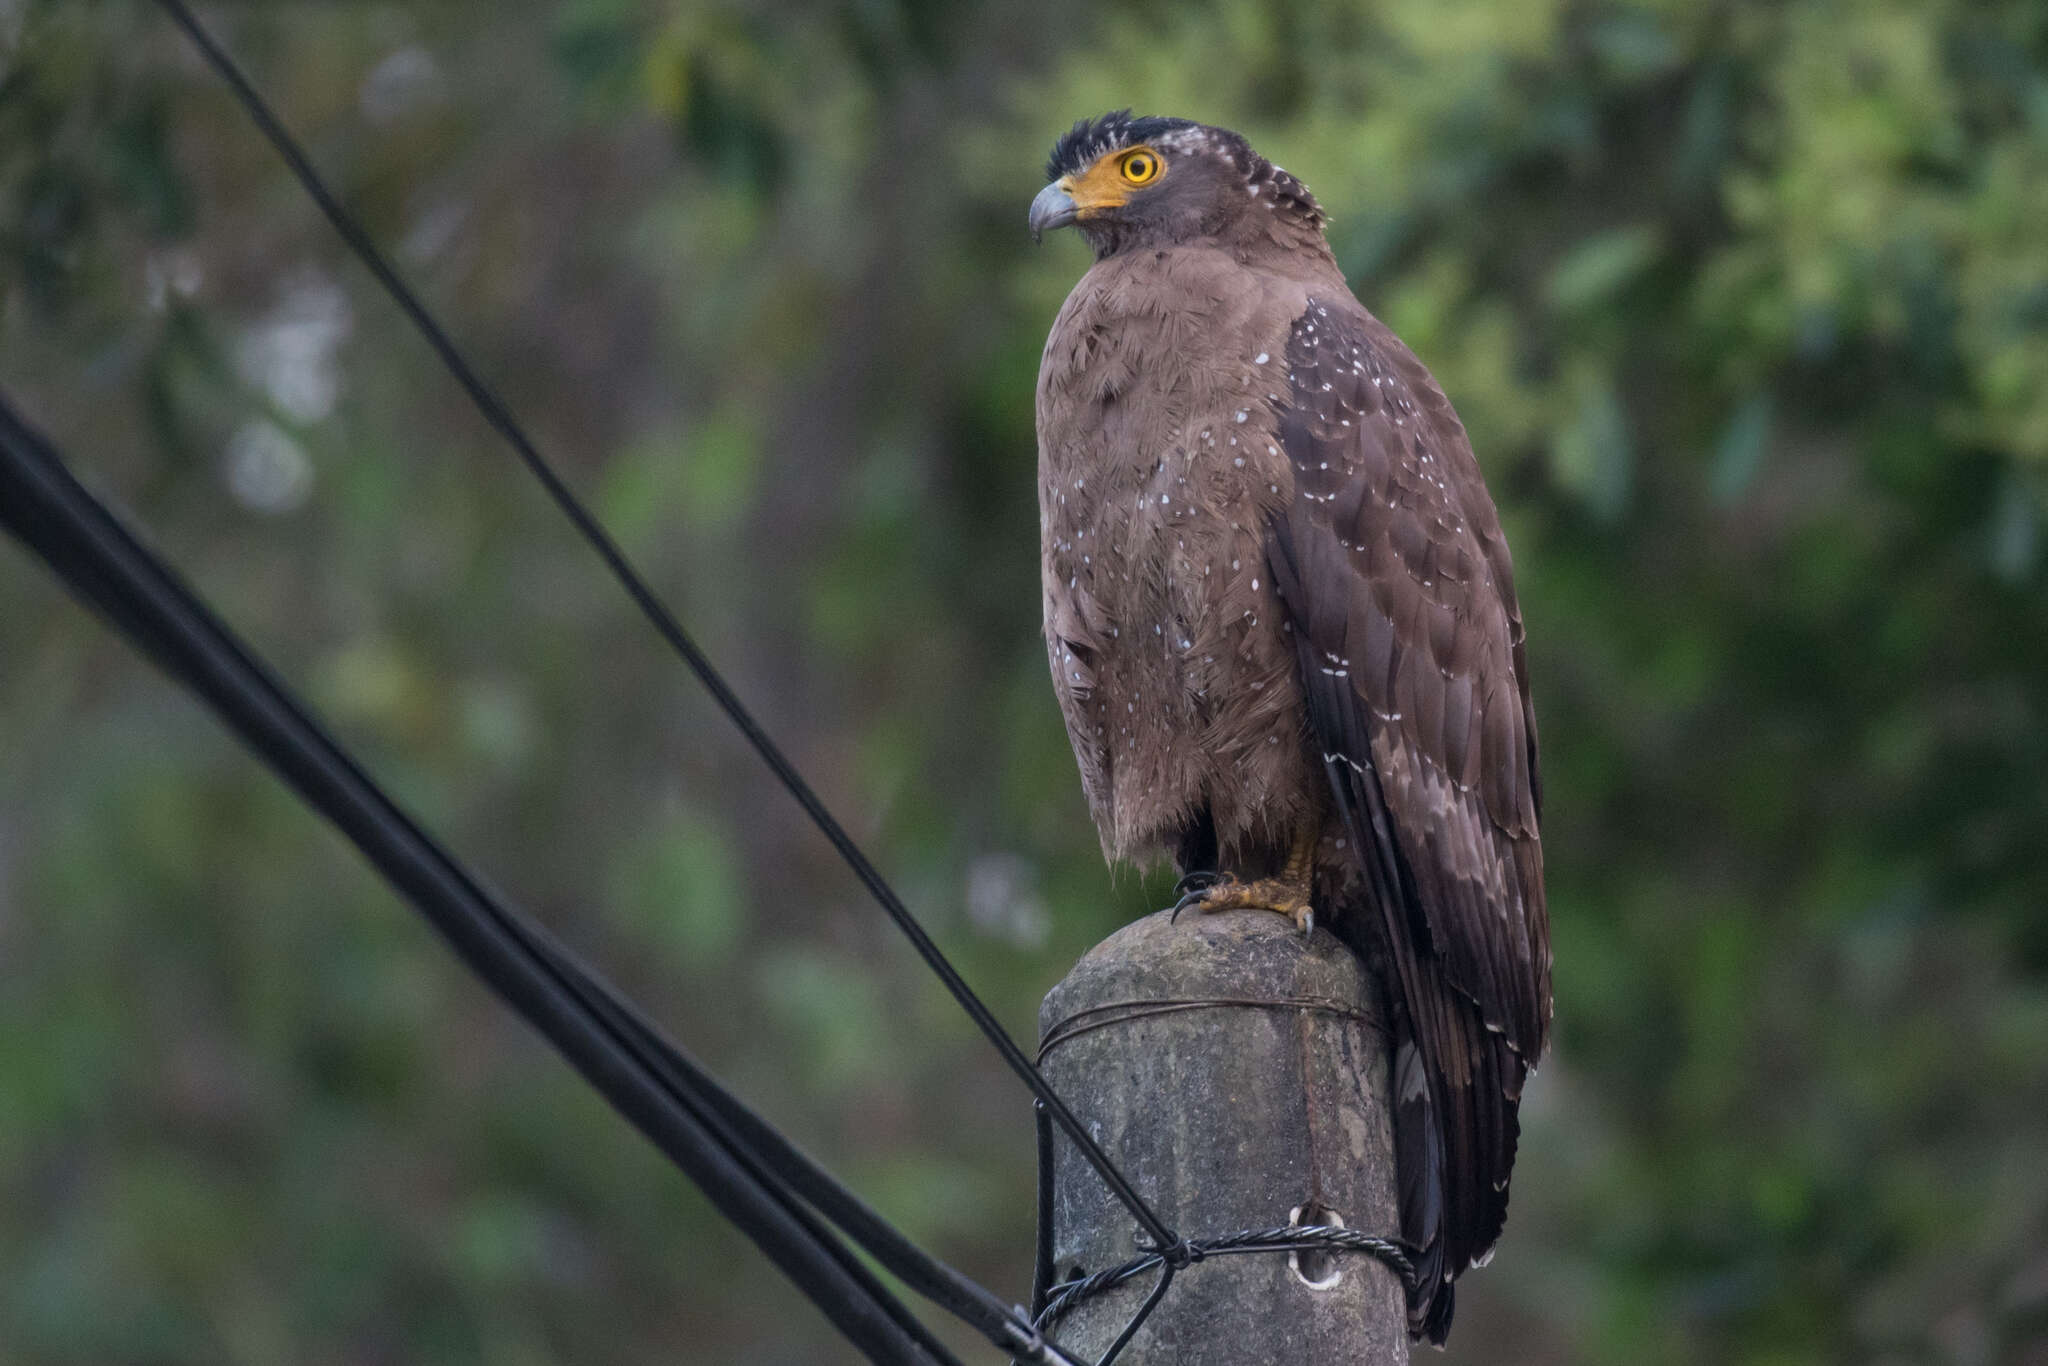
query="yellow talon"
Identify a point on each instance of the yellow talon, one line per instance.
(1274, 894)
(1288, 894)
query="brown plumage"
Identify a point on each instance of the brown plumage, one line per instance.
(1280, 616)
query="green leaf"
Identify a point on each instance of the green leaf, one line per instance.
(1592, 456)
(1739, 454)
(1602, 265)
(680, 888)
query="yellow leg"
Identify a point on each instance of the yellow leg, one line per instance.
(1288, 894)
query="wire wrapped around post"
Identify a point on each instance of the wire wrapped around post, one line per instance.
(1239, 1072)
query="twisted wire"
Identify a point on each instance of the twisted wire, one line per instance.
(1391, 1253)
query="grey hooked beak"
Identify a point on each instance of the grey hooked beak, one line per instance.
(1054, 208)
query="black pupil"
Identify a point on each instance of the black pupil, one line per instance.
(1141, 167)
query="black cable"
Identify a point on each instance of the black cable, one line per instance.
(1137, 1320)
(665, 623)
(752, 1136)
(753, 1175)
(1041, 1260)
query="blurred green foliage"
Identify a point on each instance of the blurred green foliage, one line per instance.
(1745, 305)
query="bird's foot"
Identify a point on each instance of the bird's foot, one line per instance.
(1212, 892)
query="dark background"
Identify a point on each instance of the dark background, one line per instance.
(1744, 303)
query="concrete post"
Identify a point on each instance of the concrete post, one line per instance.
(1237, 1073)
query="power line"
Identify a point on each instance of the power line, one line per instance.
(665, 623)
(761, 1182)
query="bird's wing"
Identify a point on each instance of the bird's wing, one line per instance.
(1397, 581)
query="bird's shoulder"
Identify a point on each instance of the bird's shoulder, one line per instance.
(1376, 443)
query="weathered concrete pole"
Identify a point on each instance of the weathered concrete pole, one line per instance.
(1237, 1072)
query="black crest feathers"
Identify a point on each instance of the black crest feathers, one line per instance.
(1089, 139)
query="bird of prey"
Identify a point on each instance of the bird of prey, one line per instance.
(1282, 626)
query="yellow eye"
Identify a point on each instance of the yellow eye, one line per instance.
(1140, 167)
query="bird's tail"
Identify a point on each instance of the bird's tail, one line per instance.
(1419, 1175)
(1456, 1095)
(1455, 1132)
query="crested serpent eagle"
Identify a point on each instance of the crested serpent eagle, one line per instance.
(1282, 626)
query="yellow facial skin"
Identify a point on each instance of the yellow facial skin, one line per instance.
(1110, 182)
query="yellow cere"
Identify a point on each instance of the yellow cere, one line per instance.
(1109, 182)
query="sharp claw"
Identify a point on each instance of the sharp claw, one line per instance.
(1307, 921)
(1194, 888)
(1189, 899)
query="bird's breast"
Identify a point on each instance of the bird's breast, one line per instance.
(1160, 468)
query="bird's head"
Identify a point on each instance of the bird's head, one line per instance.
(1130, 182)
